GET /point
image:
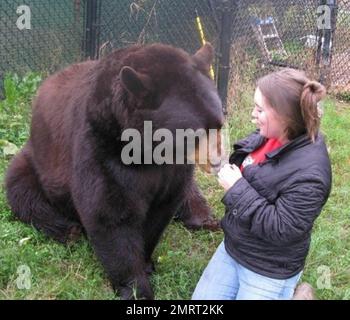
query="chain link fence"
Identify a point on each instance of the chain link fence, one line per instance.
(311, 35)
(146, 21)
(340, 59)
(251, 37)
(40, 35)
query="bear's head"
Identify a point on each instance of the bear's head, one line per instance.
(170, 91)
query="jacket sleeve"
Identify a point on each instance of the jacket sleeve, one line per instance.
(286, 220)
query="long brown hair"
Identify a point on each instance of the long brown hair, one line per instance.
(295, 99)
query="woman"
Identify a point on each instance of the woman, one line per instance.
(278, 181)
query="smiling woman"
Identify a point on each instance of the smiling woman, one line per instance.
(276, 186)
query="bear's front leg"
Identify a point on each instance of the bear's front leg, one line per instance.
(195, 212)
(113, 222)
(121, 253)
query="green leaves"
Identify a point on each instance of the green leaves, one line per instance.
(15, 110)
(19, 90)
(8, 148)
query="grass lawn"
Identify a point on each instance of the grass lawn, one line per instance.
(73, 272)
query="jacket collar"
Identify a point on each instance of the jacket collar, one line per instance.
(250, 143)
(255, 140)
(296, 143)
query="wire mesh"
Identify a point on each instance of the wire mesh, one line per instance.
(53, 39)
(265, 34)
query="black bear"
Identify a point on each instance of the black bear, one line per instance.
(70, 176)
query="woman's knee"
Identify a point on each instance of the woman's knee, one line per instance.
(219, 280)
(254, 286)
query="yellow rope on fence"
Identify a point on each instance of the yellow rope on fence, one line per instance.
(202, 36)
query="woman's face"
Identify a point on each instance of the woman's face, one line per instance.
(266, 118)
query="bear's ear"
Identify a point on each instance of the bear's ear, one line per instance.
(204, 57)
(136, 83)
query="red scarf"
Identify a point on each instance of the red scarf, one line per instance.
(259, 155)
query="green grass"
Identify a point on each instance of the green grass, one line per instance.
(73, 272)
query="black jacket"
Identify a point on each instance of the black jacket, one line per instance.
(270, 211)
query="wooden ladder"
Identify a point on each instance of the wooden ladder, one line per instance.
(268, 38)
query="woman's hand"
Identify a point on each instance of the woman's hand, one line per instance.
(229, 175)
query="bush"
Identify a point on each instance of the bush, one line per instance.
(15, 110)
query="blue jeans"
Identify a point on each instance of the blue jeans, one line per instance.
(225, 279)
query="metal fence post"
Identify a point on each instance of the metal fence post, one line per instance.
(326, 42)
(224, 48)
(92, 17)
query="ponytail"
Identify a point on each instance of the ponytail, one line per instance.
(311, 95)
